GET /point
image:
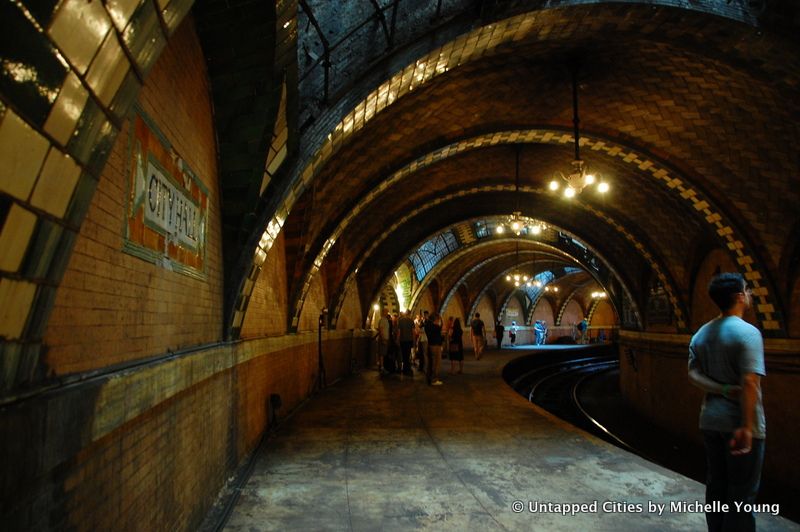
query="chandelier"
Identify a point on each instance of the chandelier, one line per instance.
(518, 278)
(517, 223)
(578, 179)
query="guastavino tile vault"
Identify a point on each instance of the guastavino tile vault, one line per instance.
(205, 209)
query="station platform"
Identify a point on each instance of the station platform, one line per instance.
(392, 453)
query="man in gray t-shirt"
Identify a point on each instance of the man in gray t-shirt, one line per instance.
(726, 360)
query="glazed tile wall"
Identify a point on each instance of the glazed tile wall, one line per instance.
(71, 70)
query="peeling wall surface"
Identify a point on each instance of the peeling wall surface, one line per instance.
(197, 199)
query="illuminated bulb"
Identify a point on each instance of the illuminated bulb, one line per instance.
(524, 277)
(555, 289)
(538, 284)
(515, 227)
(516, 283)
(376, 307)
(589, 178)
(553, 185)
(536, 229)
(500, 229)
(546, 288)
(508, 277)
(528, 283)
(603, 187)
(516, 277)
(569, 192)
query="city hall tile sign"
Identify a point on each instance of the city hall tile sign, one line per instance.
(168, 204)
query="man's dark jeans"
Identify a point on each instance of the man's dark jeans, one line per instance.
(731, 479)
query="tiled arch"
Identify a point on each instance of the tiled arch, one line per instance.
(339, 300)
(481, 42)
(662, 174)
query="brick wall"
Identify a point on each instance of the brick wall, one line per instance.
(794, 317)
(266, 313)
(350, 316)
(84, 460)
(154, 473)
(486, 310)
(544, 311)
(603, 315)
(112, 307)
(455, 309)
(149, 447)
(315, 301)
(703, 308)
(425, 302)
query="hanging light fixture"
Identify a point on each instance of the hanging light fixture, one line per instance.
(578, 179)
(517, 223)
(517, 277)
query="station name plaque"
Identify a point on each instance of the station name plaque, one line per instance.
(168, 205)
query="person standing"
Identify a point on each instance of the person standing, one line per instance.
(446, 332)
(544, 332)
(538, 332)
(498, 334)
(384, 339)
(456, 348)
(583, 326)
(422, 341)
(405, 331)
(478, 331)
(433, 328)
(512, 332)
(726, 361)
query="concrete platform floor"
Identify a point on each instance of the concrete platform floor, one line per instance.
(393, 453)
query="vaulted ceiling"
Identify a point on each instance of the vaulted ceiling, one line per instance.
(408, 118)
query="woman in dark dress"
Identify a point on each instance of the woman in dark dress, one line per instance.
(456, 348)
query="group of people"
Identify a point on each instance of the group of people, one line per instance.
(540, 331)
(726, 361)
(405, 343)
(500, 329)
(539, 328)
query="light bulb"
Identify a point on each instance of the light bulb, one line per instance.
(589, 179)
(515, 226)
(516, 283)
(603, 187)
(500, 230)
(538, 284)
(569, 192)
(536, 229)
(508, 277)
(516, 277)
(553, 185)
